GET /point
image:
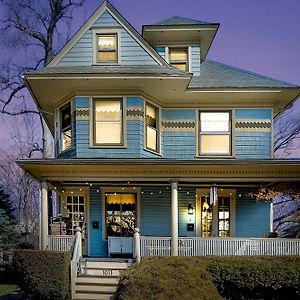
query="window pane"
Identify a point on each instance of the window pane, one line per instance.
(214, 121)
(178, 54)
(107, 56)
(180, 66)
(108, 110)
(66, 117)
(215, 144)
(151, 138)
(108, 133)
(106, 42)
(151, 116)
(67, 139)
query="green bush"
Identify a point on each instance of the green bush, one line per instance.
(43, 274)
(256, 277)
(167, 278)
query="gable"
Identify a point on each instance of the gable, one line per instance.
(133, 50)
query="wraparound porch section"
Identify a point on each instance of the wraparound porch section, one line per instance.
(178, 179)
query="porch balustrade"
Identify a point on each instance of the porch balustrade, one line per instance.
(60, 242)
(161, 246)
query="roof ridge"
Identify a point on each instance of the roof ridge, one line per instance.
(251, 73)
(195, 21)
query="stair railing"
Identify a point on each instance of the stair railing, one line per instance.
(75, 262)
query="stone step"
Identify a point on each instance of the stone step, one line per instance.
(86, 296)
(95, 289)
(106, 265)
(112, 280)
(102, 272)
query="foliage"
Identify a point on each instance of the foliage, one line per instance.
(40, 278)
(7, 289)
(256, 277)
(6, 204)
(8, 233)
(167, 278)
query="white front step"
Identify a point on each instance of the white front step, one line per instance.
(86, 296)
(106, 265)
(103, 272)
(94, 289)
(97, 280)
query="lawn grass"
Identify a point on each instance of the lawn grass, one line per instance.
(7, 289)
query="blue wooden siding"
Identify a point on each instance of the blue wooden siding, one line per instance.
(261, 113)
(132, 53)
(97, 246)
(253, 145)
(252, 218)
(195, 60)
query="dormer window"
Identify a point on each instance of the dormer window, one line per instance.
(178, 58)
(107, 48)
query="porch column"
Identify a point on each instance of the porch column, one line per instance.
(44, 216)
(174, 209)
(271, 217)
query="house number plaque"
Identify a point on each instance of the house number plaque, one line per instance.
(107, 272)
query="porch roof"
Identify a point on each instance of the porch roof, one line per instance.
(147, 170)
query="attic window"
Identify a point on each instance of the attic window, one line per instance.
(107, 48)
(178, 58)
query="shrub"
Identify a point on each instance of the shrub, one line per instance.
(43, 274)
(256, 277)
(167, 278)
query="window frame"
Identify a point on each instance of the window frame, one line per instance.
(230, 133)
(158, 138)
(61, 130)
(99, 32)
(93, 143)
(188, 55)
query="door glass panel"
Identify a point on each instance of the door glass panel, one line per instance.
(120, 214)
(206, 217)
(224, 216)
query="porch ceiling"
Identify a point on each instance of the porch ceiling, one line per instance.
(162, 170)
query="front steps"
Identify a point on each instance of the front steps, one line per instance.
(99, 279)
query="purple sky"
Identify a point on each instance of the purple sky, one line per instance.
(262, 36)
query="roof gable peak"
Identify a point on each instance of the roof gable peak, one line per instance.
(177, 20)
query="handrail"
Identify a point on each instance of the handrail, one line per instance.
(75, 262)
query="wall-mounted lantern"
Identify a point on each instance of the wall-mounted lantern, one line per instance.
(190, 209)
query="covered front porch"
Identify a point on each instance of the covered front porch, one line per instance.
(180, 208)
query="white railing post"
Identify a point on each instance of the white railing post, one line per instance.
(137, 245)
(79, 238)
(76, 255)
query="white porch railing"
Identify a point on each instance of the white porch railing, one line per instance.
(60, 242)
(161, 246)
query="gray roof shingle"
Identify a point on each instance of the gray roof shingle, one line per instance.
(175, 20)
(217, 75)
(164, 70)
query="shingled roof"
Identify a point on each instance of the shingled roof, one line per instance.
(217, 75)
(175, 20)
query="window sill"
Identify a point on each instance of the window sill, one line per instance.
(215, 156)
(107, 64)
(107, 147)
(153, 152)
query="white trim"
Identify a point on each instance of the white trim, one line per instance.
(189, 51)
(195, 90)
(105, 6)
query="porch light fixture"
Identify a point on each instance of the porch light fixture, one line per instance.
(190, 209)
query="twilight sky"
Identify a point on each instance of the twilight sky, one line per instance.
(262, 36)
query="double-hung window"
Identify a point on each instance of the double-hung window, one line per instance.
(152, 128)
(66, 127)
(107, 48)
(215, 133)
(108, 122)
(178, 58)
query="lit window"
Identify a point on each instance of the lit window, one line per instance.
(108, 119)
(66, 127)
(107, 48)
(215, 133)
(120, 214)
(152, 128)
(178, 58)
(224, 217)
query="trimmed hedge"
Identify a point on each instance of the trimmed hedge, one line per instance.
(167, 278)
(43, 274)
(256, 277)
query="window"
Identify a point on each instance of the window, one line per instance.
(66, 127)
(152, 128)
(108, 119)
(178, 58)
(206, 217)
(75, 211)
(224, 220)
(215, 133)
(107, 48)
(120, 214)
